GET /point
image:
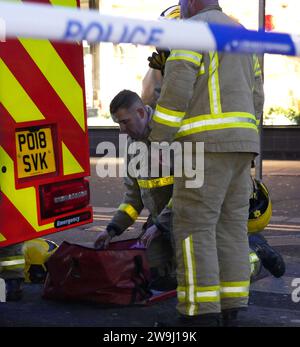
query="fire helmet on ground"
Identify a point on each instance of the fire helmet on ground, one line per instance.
(260, 209)
(36, 253)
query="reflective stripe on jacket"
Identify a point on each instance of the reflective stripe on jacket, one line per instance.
(141, 192)
(213, 97)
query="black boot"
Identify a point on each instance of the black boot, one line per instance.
(203, 320)
(229, 317)
(14, 289)
(270, 259)
(162, 283)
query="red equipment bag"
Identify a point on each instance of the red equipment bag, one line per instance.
(117, 275)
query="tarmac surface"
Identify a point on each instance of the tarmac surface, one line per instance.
(273, 302)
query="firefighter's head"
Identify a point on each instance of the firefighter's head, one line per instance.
(190, 8)
(128, 110)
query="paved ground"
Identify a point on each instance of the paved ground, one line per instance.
(271, 301)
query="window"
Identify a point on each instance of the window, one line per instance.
(246, 12)
(282, 73)
(110, 68)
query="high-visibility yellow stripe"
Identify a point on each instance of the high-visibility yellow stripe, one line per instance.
(190, 275)
(214, 84)
(130, 210)
(156, 182)
(201, 70)
(58, 75)
(217, 127)
(70, 164)
(234, 295)
(220, 116)
(200, 289)
(9, 262)
(208, 297)
(168, 117)
(69, 3)
(24, 200)
(190, 56)
(234, 289)
(169, 112)
(256, 62)
(258, 72)
(171, 119)
(15, 99)
(203, 294)
(160, 120)
(185, 59)
(208, 123)
(170, 203)
(2, 238)
(256, 67)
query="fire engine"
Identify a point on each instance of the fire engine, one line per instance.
(44, 148)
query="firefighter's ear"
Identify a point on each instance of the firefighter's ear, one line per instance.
(141, 112)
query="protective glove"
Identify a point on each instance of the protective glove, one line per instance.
(150, 234)
(104, 239)
(158, 60)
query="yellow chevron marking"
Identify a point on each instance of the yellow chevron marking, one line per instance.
(71, 165)
(58, 75)
(69, 3)
(24, 200)
(2, 238)
(15, 99)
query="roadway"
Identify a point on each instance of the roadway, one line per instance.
(270, 303)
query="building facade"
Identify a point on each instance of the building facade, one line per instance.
(110, 68)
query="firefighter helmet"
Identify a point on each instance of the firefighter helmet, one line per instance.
(260, 210)
(36, 253)
(172, 12)
(158, 59)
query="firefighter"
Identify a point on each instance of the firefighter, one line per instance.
(143, 191)
(12, 264)
(214, 96)
(260, 211)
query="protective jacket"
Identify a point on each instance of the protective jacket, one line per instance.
(12, 262)
(142, 190)
(203, 99)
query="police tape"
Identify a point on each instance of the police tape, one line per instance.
(39, 21)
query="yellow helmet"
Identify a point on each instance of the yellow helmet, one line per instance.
(260, 210)
(36, 253)
(172, 12)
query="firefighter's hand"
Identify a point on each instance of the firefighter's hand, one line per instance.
(103, 240)
(150, 234)
(158, 60)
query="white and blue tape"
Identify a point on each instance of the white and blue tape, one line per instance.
(73, 25)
